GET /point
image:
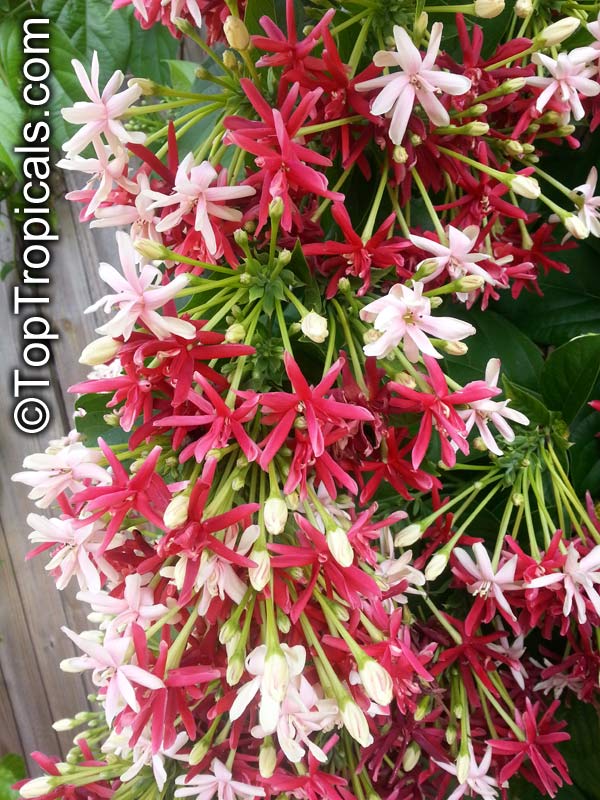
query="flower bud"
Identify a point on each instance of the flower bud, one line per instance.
(409, 535)
(488, 9)
(176, 513)
(405, 379)
(37, 787)
(512, 85)
(314, 327)
(479, 444)
(435, 302)
(451, 733)
(526, 187)
(411, 757)
(423, 707)
(477, 128)
(235, 669)
(557, 32)
(436, 565)
(147, 86)
(235, 333)
(377, 682)
(261, 574)
(523, 8)
(400, 154)
(275, 515)
(99, 351)
(576, 226)
(513, 148)
(267, 759)
(284, 623)
(236, 33)
(463, 763)
(240, 237)
(228, 630)
(284, 257)
(230, 61)
(199, 751)
(456, 348)
(276, 675)
(355, 722)
(340, 547)
(154, 251)
(276, 208)
(65, 724)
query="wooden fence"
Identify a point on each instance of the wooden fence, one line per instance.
(33, 690)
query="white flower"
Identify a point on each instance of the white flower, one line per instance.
(571, 77)
(485, 581)
(418, 79)
(404, 315)
(483, 412)
(477, 782)
(220, 783)
(589, 210)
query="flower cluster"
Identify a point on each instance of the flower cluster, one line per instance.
(283, 535)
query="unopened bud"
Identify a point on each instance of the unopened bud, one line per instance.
(463, 764)
(436, 565)
(284, 257)
(557, 32)
(267, 759)
(513, 148)
(65, 724)
(235, 333)
(420, 26)
(147, 86)
(526, 187)
(340, 547)
(405, 379)
(99, 351)
(400, 154)
(377, 682)
(488, 9)
(477, 110)
(371, 336)
(276, 208)
(477, 128)
(470, 283)
(176, 513)
(154, 251)
(576, 227)
(423, 708)
(344, 285)
(426, 268)
(261, 573)
(435, 302)
(408, 536)
(523, 8)
(275, 515)
(240, 237)
(355, 722)
(230, 61)
(456, 348)
(512, 85)
(451, 733)
(314, 327)
(37, 787)
(479, 444)
(411, 757)
(284, 623)
(235, 670)
(198, 752)
(236, 33)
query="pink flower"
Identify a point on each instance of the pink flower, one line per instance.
(477, 782)
(418, 79)
(77, 551)
(578, 576)
(404, 315)
(193, 190)
(571, 77)
(138, 297)
(483, 582)
(68, 469)
(101, 116)
(220, 783)
(483, 412)
(135, 606)
(138, 214)
(457, 257)
(589, 205)
(111, 671)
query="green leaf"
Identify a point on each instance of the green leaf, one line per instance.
(528, 402)
(150, 53)
(569, 375)
(182, 74)
(12, 769)
(571, 303)
(11, 54)
(585, 452)
(496, 337)
(275, 10)
(11, 121)
(92, 424)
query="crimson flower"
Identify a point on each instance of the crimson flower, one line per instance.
(282, 409)
(355, 257)
(437, 410)
(224, 423)
(539, 746)
(144, 491)
(283, 162)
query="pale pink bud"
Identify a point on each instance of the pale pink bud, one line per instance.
(99, 351)
(236, 33)
(235, 333)
(411, 757)
(37, 787)
(355, 722)
(526, 187)
(314, 327)
(409, 535)
(435, 567)
(463, 764)
(557, 32)
(261, 574)
(576, 227)
(235, 670)
(176, 513)
(267, 760)
(523, 8)
(275, 515)
(377, 682)
(340, 547)
(488, 9)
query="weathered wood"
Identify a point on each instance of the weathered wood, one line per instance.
(34, 692)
